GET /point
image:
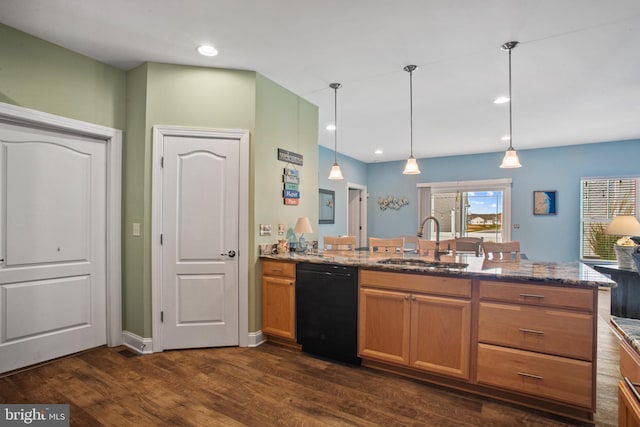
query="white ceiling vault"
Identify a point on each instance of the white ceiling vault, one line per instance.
(576, 72)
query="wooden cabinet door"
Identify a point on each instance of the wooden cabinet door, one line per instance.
(278, 307)
(441, 335)
(384, 325)
(628, 407)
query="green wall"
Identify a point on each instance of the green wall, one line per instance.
(40, 75)
(134, 172)
(164, 94)
(283, 120)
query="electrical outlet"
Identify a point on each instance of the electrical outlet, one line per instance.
(516, 226)
(136, 229)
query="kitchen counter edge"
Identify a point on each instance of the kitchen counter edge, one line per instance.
(561, 273)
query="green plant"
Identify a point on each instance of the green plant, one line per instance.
(601, 243)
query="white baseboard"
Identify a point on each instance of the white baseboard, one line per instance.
(145, 345)
(137, 343)
(255, 339)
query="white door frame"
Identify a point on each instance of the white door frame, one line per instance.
(113, 140)
(242, 136)
(363, 212)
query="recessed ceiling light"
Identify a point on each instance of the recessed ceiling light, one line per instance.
(505, 138)
(501, 100)
(378, 152)
(331, 127)
(207, 50)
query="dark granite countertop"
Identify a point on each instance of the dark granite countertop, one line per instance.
(629, 329)
(565, 273)
(614, 269)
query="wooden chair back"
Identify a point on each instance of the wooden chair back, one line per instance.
(469, 244)
(449, 245)
(343, 243)
(505, 251)
(410, 243)
(427, 247)
(394, 245)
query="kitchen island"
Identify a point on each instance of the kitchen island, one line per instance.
(519, 331)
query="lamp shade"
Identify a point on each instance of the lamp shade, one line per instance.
(335, 173)
(411, 168)
(303, 225)
(624, 225)
(510, 160)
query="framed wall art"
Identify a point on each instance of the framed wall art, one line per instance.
(327, 200)
(545, 203)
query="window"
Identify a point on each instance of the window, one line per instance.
(601, 200)
(468, 208)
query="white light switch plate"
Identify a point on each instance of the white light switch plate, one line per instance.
(136, 229)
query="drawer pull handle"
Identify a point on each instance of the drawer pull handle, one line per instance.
(276, 269)
(530, 331)
(532, 296)
(535, 377)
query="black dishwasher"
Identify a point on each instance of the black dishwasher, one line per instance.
(327, 310)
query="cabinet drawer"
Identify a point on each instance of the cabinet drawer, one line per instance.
(546, 330)
(548, 296)
(542, 375)
(629, 362)
(439, 285)
(279, 268)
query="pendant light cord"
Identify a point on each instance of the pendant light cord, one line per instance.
(510, 103)
(335, 123)
(411, 108)
(335, 87)
(411, 69)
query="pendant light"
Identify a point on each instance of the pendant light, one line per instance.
(335, 173)
(411, 168)
(510, 159)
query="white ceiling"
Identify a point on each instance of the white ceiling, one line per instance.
(576, 73)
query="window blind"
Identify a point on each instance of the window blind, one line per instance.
(602, 199)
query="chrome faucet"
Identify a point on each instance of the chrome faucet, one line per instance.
(421, 228)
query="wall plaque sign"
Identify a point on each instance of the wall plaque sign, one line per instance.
(289, 157)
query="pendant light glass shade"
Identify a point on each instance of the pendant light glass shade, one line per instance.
(335, 173)
(411, 168)
(510, 159)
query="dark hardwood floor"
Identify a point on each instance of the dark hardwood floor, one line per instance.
(271, 385)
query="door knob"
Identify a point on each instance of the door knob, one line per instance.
(230, 254)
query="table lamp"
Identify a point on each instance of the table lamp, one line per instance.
(626, 226)
(302, 226)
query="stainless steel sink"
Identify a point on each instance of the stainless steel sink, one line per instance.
(416, 262)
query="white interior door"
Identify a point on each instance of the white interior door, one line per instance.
(357, 214)
(200, 184)
(52, 244)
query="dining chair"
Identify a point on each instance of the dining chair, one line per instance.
(410, 243)
(342, 243)
(395, 244)
(427, 247)
(469, 244)
(449, 245)
(505, 251)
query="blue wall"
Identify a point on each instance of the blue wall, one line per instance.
(354, 172)
(544, 238)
